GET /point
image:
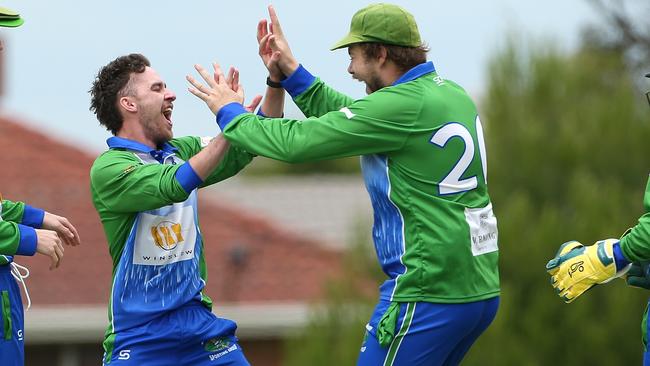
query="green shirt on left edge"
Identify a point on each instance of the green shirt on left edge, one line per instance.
(17, 235)
(122, 185)
(636, 243)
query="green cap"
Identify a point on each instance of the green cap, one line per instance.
(9, 18)
(382, 23)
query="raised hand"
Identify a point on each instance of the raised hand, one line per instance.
(217, 93)
(232, 80)
(49, 244)
(67, 233)
(268, 56)
(278, 43)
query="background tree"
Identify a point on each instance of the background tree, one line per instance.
(567, 141)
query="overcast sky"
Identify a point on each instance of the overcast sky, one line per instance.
(53, 58)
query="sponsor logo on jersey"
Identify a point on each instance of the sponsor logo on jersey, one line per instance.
(218, 344)
(348, 113)
(167, 235)
(483, 231)
(124, 354)
(222, 346)
(165, 239)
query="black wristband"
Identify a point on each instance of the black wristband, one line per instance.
(273, 84)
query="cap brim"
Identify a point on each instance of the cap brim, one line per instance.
(11, 22)
(10, 18)
(346, 41)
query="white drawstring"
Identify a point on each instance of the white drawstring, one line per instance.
(20, 277)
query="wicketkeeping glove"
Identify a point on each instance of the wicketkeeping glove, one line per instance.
(576, 268)
(639, 275)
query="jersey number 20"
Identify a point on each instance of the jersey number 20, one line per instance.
(452, 182)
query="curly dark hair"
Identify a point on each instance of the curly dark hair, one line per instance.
(405, 58)
(112, 83)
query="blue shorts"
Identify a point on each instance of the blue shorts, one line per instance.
(191, 335)
(433, 334)
(12, 346)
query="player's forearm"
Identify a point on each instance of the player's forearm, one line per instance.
(209, 157)
(273, 104)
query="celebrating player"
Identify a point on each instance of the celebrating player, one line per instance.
(24, 230)
(424, 165)
(577, 268)
(145, 191)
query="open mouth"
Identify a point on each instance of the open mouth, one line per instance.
(167, 113)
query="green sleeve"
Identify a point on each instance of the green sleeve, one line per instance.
(320, 99)
(12, 211)
(635, 244)
(380, 122)
(233, 161)
(9, 237)
(123, 183)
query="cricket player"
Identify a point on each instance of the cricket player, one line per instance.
(577, 268)
(424, 164)
(24, 230)
(144, 188)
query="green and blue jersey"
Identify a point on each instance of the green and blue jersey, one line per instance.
(147, 203)
(424, 165)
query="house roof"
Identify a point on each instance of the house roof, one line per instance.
(335, 209)
(250, 259)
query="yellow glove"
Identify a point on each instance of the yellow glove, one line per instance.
(576, 268)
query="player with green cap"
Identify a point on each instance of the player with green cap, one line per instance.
(24, 230)
(424, 164)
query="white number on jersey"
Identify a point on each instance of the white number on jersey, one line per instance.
(452, 183)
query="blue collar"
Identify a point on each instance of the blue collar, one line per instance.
(160, 155)
(120, 142)
(416, 72)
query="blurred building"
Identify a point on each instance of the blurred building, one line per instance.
(333, 209)
(261, 274)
